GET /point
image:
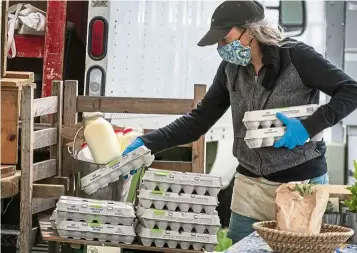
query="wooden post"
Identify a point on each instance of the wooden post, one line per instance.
(198, 147)
(3, 50)
(56, 151)
(54, 44)
(69, 120)
(26, 169)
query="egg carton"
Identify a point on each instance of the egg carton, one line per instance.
(162, 219)
(266, 118)
(172, 201)
(177, 181)
(101, 232)
(122, 166)
(173, 239)
(53, 219)
(80, 209)
(266, 137)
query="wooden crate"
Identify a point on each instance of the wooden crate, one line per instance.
(11, 86)
(41, 182)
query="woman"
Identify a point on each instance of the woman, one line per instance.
(260, 70)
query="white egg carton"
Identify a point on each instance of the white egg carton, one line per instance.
(119, 167)
(174, 239)
(266, 137)
(53, 219)
(177, 181)
(266, 118)
(80, 209)
(90, 231)
(163, 219)
(172, 201)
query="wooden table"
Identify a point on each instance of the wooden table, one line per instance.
(49, 234)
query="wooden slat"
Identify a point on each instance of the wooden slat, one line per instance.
(56, 181)
(198, 147)
(9, 125)
(169, 165)
(20, 75)
(38, 126)
(27, 139)
(69, 119)
(56, 151)
(3, 32)
(10, 185)
(39, 205)
(133, 105)
(7, 170)
(44, 169)
(45, 106)
(48, 191)
(15, 82)
(68, 133)
(44, 138)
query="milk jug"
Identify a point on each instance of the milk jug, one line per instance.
(101, 138)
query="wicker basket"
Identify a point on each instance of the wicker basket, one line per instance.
(327, 241)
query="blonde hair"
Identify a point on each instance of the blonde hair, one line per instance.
(265, 32)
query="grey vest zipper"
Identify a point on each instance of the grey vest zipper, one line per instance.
(255, 84)
(253, 106)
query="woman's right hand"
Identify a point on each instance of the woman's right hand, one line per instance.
(137, 143)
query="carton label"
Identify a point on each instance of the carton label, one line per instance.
(157, 192)
(180, 198)
(162, 173)
(157, 231)
(159, 212)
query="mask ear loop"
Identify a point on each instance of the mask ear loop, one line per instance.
(250, 41)
(241, 35)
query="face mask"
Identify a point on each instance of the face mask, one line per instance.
(235, 53)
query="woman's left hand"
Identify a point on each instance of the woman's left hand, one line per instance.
(295, 135)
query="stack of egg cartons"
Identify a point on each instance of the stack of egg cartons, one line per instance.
(89, 219)
(264, 128)
(178, 209)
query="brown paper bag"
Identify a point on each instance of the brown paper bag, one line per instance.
(300, 212)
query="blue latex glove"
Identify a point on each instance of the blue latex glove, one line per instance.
(295, 135)
(137, 143)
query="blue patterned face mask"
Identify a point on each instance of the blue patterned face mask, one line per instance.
(235, 53)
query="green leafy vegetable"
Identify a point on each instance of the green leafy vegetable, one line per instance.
(352, 203)
(304, 189)
(223, 241)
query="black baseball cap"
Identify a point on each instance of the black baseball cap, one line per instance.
(229, 14)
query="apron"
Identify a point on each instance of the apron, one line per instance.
(255, 197)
